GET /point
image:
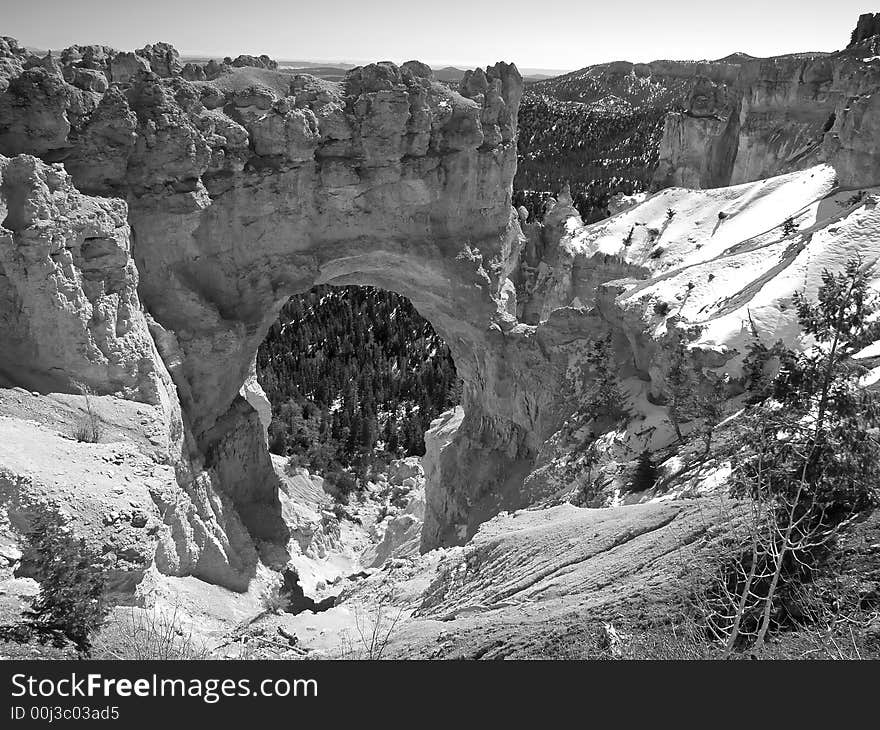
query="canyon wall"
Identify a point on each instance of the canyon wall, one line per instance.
(752, 118)
(159, 215)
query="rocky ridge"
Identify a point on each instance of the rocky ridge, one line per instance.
(767, 116)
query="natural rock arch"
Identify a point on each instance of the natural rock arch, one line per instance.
(232, 187)
(407, 188)
(257, 185)
(247, 185)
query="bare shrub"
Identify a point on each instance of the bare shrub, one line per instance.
(375, 627)
(347, 649)
(832, 624)
(142, 635)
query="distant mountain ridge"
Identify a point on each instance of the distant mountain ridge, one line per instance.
(335, 71)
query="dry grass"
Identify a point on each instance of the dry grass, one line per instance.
(676, 639)
(87, 428)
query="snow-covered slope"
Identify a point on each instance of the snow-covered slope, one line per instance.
(725, 259)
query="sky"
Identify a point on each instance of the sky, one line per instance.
(534, 34)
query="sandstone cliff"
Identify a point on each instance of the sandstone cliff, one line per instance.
(867, 27)
(748, 118)
(72, 325)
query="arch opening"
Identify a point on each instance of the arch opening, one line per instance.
(445, 282)
(354, 377)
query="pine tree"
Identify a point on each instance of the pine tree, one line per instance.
(72, 580)
(808, 458)
(368, 432)
(828, 417)
(606, 401)
(390, 434)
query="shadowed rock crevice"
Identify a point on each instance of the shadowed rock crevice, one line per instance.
(297, 600)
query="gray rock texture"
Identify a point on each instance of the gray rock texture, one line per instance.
(153, 223)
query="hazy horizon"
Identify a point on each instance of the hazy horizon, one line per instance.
(189, 55)
(463, 34)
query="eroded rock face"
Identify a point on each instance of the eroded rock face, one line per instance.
(777, 115)
(71, 322)
(257, 185)
(247, 189)
(69, 309)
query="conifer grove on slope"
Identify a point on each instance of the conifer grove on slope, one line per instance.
(353, 374)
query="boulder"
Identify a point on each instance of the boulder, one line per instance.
(261, 61)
